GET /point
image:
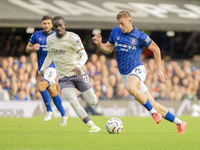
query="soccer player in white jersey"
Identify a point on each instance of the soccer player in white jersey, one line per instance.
(128, 42)
(66, 50)
(38, 44)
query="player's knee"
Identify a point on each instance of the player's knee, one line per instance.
(132, 90)
(74, 104)
(41, 87)
(90, 97)
(53, 94)
(52, 91)
(94, 100)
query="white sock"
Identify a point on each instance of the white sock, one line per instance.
(177, 121)
(90, 123)
(152, 111)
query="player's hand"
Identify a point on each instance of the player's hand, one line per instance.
(77, 72)
(41, 76)
(161, 76)
(97, 39)
(36, 47)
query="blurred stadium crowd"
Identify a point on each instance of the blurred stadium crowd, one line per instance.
(18, 70)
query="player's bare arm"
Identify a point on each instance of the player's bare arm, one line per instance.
(106, 48)
(41, 76)
(156, 50)
(32, 47)
(77, 72)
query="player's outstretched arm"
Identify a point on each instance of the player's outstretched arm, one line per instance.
(105, 48)
(156, 50)
(31, 47)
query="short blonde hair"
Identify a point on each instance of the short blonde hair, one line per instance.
(123, 14)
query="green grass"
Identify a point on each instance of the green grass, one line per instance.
(138, 134)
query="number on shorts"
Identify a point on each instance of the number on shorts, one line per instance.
(50, 74)
(86, 78)
(138, 70)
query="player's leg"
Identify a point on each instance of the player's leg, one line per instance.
(50, 76)
(56, 99)
(70, 95)
(133, 83)
(133, 87)
(166, 114)
(41, 86)
(58, 102)
(92, 100)
(84, 85)
(90, 96)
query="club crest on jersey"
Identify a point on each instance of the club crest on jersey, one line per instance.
(40, 39)
(133, 41)
(118, 38)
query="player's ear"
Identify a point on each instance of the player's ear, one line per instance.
(130, 21)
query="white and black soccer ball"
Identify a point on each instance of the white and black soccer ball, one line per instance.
(114, 126)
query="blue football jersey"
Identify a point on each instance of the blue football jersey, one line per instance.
(128, 48)
(40, 37)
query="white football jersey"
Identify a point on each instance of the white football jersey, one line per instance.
(64, 52)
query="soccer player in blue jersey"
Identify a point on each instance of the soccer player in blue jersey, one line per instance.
(128, 42)
(48, 85)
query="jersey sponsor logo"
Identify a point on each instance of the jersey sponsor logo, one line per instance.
(124, 47)
(44, 47)
(147, 39)
(58, 51)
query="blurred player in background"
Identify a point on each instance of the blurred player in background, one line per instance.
(68, 54)
(128, 42)
(48, 85)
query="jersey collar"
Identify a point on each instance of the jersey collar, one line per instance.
(133, 32)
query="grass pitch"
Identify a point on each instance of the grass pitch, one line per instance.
(139, 133)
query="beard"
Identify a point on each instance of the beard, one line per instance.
(47, 31)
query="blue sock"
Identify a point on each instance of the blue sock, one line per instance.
(46, 99)
(148, 105)
(58, 102)
(169, 116)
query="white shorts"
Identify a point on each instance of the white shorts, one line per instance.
(50, 75)
(141, 73)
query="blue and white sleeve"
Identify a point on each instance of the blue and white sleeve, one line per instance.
(144, 39)
(33, 38)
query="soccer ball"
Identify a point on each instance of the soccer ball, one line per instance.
(114, 126)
